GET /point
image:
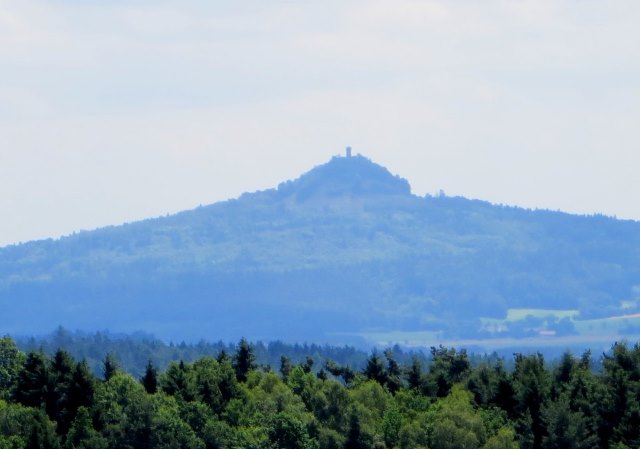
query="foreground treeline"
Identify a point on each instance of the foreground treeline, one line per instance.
(231, 402)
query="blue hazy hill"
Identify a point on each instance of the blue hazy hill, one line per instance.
(342, 250)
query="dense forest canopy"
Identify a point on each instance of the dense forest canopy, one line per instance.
(343, 254)
(230, 401)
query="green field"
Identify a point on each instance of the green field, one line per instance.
(589, 332)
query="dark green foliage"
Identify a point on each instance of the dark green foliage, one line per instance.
(307, 366)
(110, 366)
(394, 371)
(391, 425)
(285, 367)
(82, 434)
(375, 369)
(177, 381)
(414, 375)
(59, 406)
(344, 372)
(355, 438)
(42, 434)
(206, 379)
(491, 386)
(11, 360)
(244, 360)
(532, 386)
(621, 406)
(448, 366)
(150, 379)
(34, 381)
(566, 429)
(82, 388)
(287, 432)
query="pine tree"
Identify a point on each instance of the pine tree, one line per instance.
(355, 438)
(394, 372)
(222, 356)
(375, 369)
(11, 360)
(307, 366)
(82, 389)
(285, 367)
(110, 366)
(150, 379)
(414, 374)
(244, 360)
(58, 407)
(33, 381)
(82, 434)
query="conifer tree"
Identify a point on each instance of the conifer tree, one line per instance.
(285, 367)
(244, 360)
(110, 366)
(375, 369)
(33, 381)
(82, 389)
(11, 360)
(150, 378)
(58, 406)
(414, 374)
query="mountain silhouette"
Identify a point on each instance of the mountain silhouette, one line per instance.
(345, 176)
(341, 252)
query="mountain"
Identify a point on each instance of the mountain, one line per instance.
(344, 252)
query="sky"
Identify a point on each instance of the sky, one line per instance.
(114, 111)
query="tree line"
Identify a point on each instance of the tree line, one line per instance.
(135, 350)
(230, 401)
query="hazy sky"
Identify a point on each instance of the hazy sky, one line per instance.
(112, 111)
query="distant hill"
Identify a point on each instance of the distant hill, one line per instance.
(342, 253)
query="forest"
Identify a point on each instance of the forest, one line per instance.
(230, 401)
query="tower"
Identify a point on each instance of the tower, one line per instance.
(348, 151)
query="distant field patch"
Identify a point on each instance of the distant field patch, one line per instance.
(596, 331)
(521, 314)
(515, 315)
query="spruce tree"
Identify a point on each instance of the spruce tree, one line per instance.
(150, 379)
(110, 366)
(82, 390)
(285, 367)
(244, 360)
(58, 406)
(33, 381)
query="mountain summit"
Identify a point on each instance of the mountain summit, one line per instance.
(339, 254)
(345, 176)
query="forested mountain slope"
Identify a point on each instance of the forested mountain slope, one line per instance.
(344, 249)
